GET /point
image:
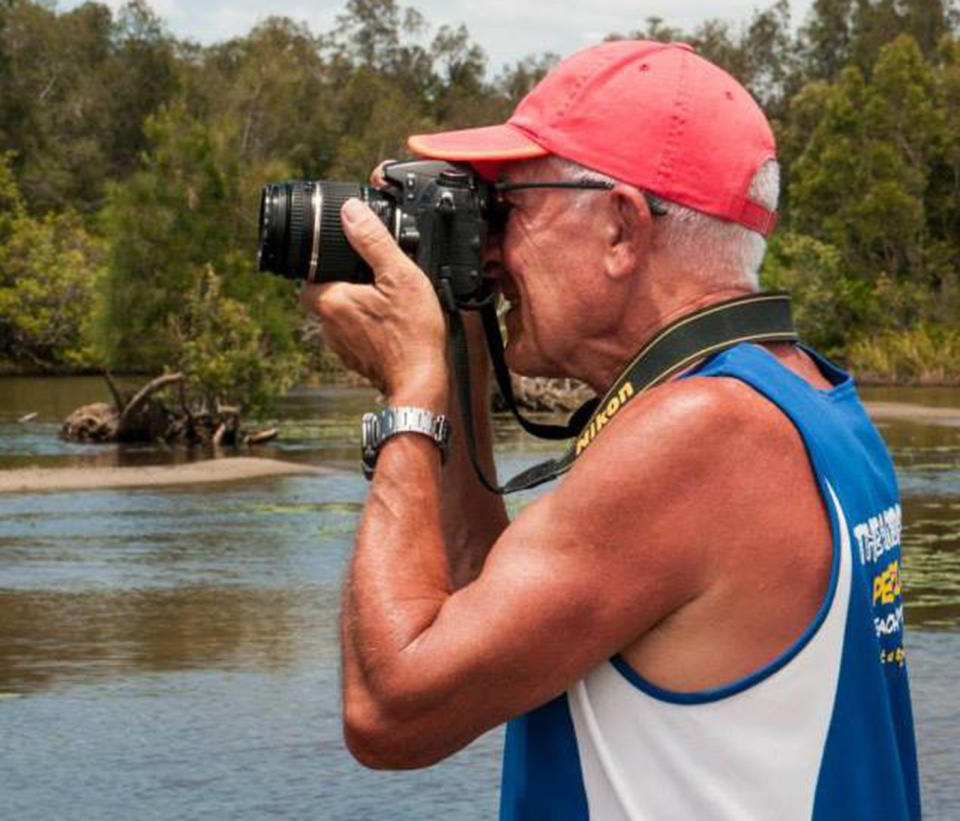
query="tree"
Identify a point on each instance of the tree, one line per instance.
(370, 33)
(861, 181)
(872, 248)
(278, 87)
(58, 99)
(827, 38)
(375, 119)
(827, 303)
(224, 354)
(79, 87)
(141, 75)
(461, 98)
(48, 268)
(839, 33)
(190, 206)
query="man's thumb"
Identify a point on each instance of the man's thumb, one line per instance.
(370, 238)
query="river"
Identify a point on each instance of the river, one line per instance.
(171, 653)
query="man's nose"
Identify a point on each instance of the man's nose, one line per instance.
(493, 257)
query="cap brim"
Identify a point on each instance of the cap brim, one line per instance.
(492, 143)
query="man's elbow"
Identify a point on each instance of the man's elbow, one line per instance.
(381, 742)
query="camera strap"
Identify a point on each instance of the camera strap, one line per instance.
(753, 318)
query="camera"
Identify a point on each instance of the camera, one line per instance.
(438, 213)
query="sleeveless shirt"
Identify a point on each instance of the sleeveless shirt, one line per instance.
(824, 731)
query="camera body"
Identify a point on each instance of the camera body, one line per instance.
(438, 213)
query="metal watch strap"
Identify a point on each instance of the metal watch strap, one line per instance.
(380, 425)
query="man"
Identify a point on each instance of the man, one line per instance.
(702, 619)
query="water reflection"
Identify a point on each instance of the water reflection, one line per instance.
(931, 551)
(61, 636)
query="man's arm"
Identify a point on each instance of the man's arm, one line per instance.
(578, 576)
(473, 517)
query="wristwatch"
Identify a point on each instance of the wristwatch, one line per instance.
(379, 426)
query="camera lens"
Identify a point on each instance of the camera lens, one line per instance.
(301, 236)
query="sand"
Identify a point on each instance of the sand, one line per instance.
(907, 412)
(30, 480)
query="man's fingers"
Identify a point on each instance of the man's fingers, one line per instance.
(330, 300)
(370, 238)
(377, 178)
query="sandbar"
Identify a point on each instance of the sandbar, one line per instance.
(908, 412)
(31, 480)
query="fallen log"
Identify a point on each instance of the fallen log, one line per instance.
(145, 417)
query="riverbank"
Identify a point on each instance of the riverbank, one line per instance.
(909, 412)
(31, 480)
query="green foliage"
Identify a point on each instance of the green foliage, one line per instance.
(825, 302)
(371, 31)
(840, 33)
(830, 307)
(75, 93)
(191, 205)
(224, 353)
(48, 268)
(926, 354)
(138, 162)
(279, 90)
(828, 37)
(869, 178)
(377, 118)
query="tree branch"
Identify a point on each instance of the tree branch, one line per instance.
(145, 393)
(117, 398)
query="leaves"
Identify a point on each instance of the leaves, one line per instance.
(870, 174)
(132, 166)
(224, 353)
(48, 270)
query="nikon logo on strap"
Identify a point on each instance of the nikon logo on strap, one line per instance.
(761, 317)
(601, 417)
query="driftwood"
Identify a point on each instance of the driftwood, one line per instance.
(141, 403)
(145, 417)
(91, 423)
(538, 393)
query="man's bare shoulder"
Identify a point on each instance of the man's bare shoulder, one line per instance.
(706, 482)
(688, 459)
(705, 478)
(673, 440)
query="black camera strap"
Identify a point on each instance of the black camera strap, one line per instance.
(753, 318)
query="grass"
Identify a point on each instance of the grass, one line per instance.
(925, 355)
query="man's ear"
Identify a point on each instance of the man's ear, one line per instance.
(630, 231)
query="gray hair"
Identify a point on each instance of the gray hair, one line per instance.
(733, 249)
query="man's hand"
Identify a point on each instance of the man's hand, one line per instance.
(393, 331)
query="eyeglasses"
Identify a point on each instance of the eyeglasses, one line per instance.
(503, 207)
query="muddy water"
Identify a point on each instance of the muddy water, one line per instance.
(172, 653)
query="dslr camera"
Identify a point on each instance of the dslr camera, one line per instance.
(438, 213)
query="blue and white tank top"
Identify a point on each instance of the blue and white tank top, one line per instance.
(825, 731)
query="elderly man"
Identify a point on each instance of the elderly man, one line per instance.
(703, 618)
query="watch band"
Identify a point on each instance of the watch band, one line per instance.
(379, 426)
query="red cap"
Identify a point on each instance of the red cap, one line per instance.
(655, 115)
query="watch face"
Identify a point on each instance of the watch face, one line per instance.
(377, 427)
